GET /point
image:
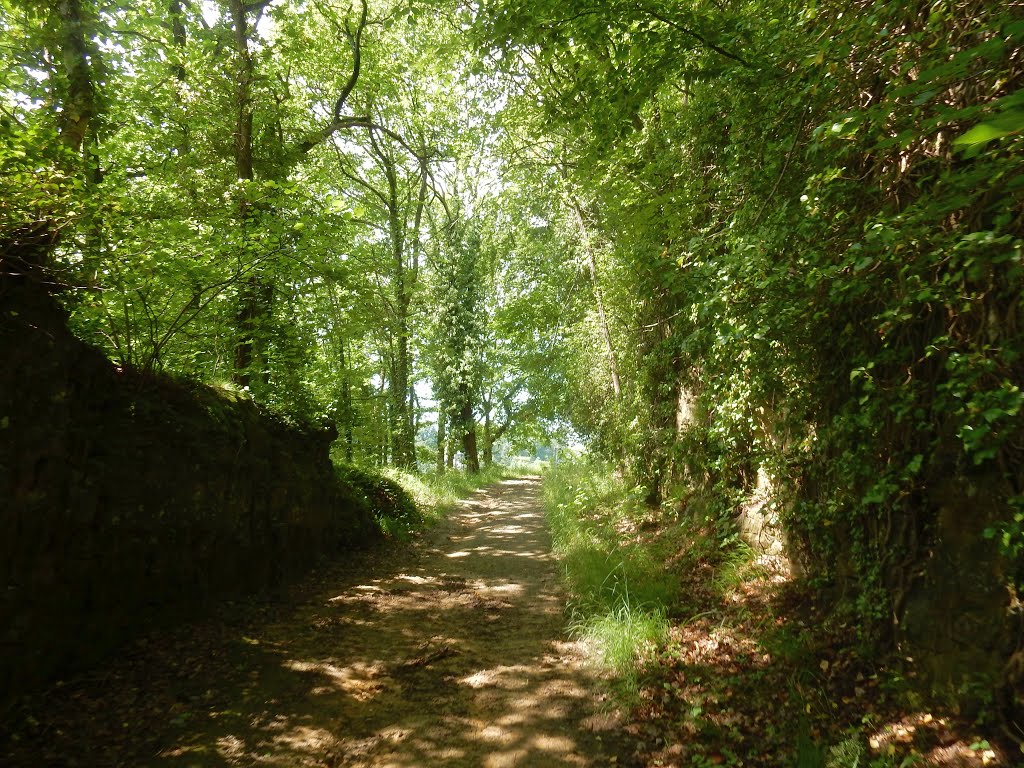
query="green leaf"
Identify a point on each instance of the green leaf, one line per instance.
(980, 134)
(994, 414)
(924, 97)
(914, 465)
(1007, 124)
(1014, 29)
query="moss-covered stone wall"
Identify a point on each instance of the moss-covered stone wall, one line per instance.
(124, 497)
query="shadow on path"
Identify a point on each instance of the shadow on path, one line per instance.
(450, 652)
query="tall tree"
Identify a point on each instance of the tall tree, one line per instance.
(257, 290)
(459, 332)
(60, 48)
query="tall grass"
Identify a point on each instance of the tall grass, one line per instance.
(620, 588)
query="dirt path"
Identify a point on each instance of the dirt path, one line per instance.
(450, 652)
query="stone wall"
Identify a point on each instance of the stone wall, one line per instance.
(124, 497)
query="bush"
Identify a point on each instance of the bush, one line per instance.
(390, 504)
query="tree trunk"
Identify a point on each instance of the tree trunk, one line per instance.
(404, 454)
(79, 106)
(256, 302)
(180, 37)
(255, 306)
(243, 95)
(414, 421)
(488, 444)
(469, 439)
(177, 14)
(588, 251)
(250, 307)
(440, 441)
(30, 244)
(386, 437)
(347, 416)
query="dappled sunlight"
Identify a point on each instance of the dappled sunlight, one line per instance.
(493, 551)
(231, 747)
(415, 579)
(509, 529)
(508, 678)
(455, 658)
(923, 727)
(305, 739)
(556, 744)
(358, 680)
(507, 589)
(450, 651)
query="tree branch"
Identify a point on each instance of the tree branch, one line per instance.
(698, 37)
(354, 40)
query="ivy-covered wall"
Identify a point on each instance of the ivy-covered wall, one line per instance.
(809, 229)
(125, 496)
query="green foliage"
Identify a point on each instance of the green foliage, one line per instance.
(278, 276)
(724, 243)
(620, 590)
(808, 223)
(391, 504)
(458, 329)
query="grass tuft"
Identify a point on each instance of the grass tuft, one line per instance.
(620, 588)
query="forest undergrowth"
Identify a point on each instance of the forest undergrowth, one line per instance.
(719, 656)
